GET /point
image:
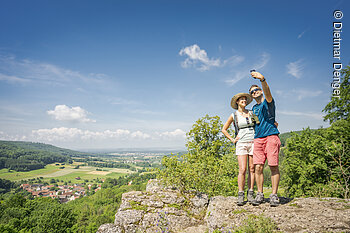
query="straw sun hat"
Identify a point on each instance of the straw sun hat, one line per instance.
(236, 97)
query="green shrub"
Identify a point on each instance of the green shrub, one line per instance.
(257, 224)
(316, 162)
(209, 166)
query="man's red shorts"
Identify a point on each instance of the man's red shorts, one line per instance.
(266, 148)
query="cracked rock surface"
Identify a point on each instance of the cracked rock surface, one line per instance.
(163, 209)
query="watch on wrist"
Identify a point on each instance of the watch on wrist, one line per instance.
(263, 80)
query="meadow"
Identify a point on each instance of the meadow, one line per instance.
(68, 173)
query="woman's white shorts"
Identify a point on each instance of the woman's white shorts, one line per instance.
(244, 148)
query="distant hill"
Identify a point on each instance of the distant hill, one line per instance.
(44, 147)
(26, 156)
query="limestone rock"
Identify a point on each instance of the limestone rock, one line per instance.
(298, 215)
(109, 228)
(160, 209)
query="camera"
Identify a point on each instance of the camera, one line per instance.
(253, 71)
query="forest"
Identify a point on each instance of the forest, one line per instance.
(14, 156)
(20, 212)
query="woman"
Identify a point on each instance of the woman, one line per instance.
(243, 121)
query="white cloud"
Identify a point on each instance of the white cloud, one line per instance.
(316, 116)
(303, 93)
(14, 70)
(121, 101)
(176, 133)
(145, 112)
(279, 92)
(244, 72)
(264, 59)
(302, 34)
(198, 58)
(58, 134)
(197, 55)
(295, 68)
(234, 60)
(64, 134)
(7, 137)
(74, 114)
(68, 134)
(238, 76)
(12, 79)
(139, 134)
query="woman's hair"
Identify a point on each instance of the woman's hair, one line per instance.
(254, 85)
(241, 97)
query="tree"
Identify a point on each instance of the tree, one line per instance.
(48, 215)
(339, 108)
(209, 165)
(317, 162)
(304, 165)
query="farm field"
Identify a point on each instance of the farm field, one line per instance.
(67, 174)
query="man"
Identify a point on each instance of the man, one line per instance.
(266, 141)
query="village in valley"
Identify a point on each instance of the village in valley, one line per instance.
(64, 193)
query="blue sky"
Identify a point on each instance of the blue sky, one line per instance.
(136, 74)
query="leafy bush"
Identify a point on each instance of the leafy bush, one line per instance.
(317, 162)
(209, 166)
(19, 214)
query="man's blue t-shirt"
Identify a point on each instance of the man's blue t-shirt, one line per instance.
(266, 114)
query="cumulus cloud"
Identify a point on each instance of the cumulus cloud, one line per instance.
(197, 56)
(74, 114)
(7, 137)
(139, 134)
(295, 68)
(69, 134)
(64, 134)
(176, 133)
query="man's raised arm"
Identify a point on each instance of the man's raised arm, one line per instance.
(265, 87)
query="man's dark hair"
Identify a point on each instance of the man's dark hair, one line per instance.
(254, 85)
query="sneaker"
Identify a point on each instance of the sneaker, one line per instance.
(250, 196)
(258, 199)
(274, 200)
(240, 200)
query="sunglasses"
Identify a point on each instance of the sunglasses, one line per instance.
(254, 90)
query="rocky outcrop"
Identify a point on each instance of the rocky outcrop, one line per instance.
(298, 215)
(160, 209)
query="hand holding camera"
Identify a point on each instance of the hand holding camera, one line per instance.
(257, 75)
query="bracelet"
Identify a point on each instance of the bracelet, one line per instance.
(263, 80)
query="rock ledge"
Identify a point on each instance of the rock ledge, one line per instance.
(164, 209)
